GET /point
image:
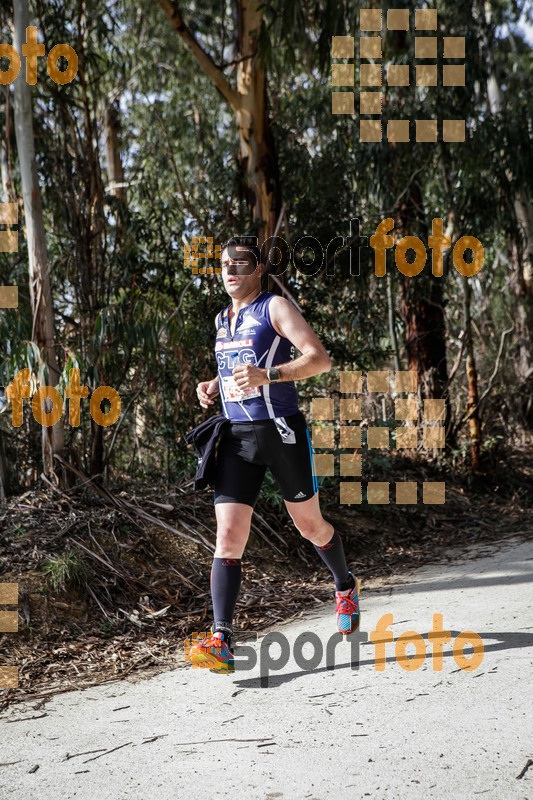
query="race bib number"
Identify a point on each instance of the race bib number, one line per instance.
(232, 393)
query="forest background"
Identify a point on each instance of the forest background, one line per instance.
(213, 119)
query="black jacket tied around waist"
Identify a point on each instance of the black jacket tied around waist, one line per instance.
(204, 438)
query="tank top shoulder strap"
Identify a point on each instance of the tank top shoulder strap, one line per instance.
(263, 306)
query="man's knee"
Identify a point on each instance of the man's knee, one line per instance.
(308, 527)
(230, 539)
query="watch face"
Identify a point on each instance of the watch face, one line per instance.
(273, 375)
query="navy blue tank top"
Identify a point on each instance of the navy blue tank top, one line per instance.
(255, 341)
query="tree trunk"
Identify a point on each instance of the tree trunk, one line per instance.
(425, 333)
(257, 153)
(115, 172)
(4, 474)
(5, 153)
(41, 298)
(474, 423)
(4, 198)
(422, 307)
(520, 246)
(94, 292)
(421, 298)
(392, 324)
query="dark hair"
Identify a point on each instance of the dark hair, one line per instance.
(243, 241)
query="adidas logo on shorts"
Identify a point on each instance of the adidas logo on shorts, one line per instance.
(299, 496)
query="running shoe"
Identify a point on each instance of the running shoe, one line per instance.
(213, 652)
(347, 609)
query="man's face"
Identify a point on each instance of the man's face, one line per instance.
(239, 271)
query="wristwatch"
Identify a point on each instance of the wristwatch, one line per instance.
(272, 375)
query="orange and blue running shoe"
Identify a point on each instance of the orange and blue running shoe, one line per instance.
(348, 616)
(213, 652)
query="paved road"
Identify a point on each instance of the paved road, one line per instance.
(313, 734)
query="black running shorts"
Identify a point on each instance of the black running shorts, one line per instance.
(245, 451)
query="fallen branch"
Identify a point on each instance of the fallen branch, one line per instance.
(86, 753)
(107, 752)
(126, 508)
(528, 765)
(209, 741)
(260, 533)
(56, 489)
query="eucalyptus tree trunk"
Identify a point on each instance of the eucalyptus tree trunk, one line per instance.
(94, 284)
(39, 283)
(474, 424)
(392, 324)
(520, 247)
(468, 341)
(421, 298)
(114, 161)
(4, 198)
(422, 308)
(257, 152)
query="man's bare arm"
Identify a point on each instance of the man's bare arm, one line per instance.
(207, 390)
(288, 322)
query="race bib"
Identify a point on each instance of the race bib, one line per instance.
(232, 393)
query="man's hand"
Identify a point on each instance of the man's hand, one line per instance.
(248, 375)
(206, 390)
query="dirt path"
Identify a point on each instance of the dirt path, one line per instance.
(291, 732)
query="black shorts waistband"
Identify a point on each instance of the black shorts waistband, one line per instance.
(248, 424)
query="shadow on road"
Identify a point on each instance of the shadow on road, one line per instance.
(505, 641)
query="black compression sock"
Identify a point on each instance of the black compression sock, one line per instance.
(332, 553)
(225, 585)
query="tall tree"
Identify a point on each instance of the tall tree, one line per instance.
(249, 103)
(474, 423)
(43, 333)
(421, 297)
(422, 308)
(520, 241)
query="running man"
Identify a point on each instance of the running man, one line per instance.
(256, 335)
